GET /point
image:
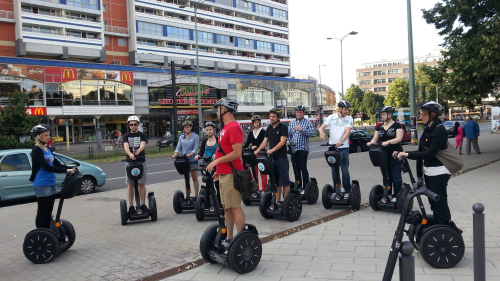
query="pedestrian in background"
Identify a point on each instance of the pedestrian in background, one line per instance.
(459, 137)
(471, 129)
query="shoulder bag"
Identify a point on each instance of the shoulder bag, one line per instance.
(242, 180)
(450, 158)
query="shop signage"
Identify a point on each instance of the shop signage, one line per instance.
(13, 69)
(192, 101)
(36, 111)
(187, 111)
(127, 77)
(35, 72)
(68, 74)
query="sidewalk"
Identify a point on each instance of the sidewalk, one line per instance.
(356, 246)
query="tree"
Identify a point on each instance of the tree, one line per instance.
(15, 122)
(371, 102)
(471, 66)
(355, 95)
(399, 94)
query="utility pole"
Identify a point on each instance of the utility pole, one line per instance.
(173, 119)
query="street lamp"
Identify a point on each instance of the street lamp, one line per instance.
(200, 114)
(341, 62)
(320, 106)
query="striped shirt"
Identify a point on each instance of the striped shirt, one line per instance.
(300, 138)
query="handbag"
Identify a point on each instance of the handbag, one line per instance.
(450, 159)
(242, 180)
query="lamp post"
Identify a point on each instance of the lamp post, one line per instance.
(341, 60)
(320, 106)
(200, 113)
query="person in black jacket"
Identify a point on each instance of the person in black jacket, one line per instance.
(42, 175)
(255, 139)
(436, 175)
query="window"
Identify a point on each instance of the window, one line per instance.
(261, 9)
(263, 46)
(89, 4)
(245, 43)
(122, 42)
(278, 48)
(205, 37)
(225, 40)
(176, 46)
(378, 81)
(406, 70)
(52, 95)
(243, 4)
(379, 72)
(105, 7)
(393, 71)
(106, 40)
(149, 28)
(15, 162)
(280, 14)
(177, 32)
(224, 2)
(147, 42)
(365, 82)
(379, 89)
(138, 82)
(40, 29)
(85, 17)
(66, 161)
(390, 80)
(362, 74)
(231, 86)
(79, 34)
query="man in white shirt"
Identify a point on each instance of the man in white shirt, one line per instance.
(340, 125)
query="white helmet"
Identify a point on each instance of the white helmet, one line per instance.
(133, 118)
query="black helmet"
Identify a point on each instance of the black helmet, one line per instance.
(388, 109)
(276, 110)
(38, 129)
(344, 103)
(187, 123)
(300, 107)
(230, 104)
(210, 123)
(255, 117)
(432, 106)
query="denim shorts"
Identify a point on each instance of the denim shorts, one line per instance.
(45, 190)
(193, 163)
(281, 171)
(142, 180)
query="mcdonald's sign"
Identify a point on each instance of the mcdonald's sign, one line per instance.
(36, 111)
(68, 74)
(127, 77)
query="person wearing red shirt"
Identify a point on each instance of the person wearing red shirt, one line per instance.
(231, 142)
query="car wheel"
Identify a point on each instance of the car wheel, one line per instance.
(359, 149)
(87, 185)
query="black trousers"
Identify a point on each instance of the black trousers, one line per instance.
(438, 184)
(44, 213)
(300, 158)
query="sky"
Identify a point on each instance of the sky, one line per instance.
(382, 34)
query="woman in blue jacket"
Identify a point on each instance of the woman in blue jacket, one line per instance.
(188, 145)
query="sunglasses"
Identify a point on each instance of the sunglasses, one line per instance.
(133, 124)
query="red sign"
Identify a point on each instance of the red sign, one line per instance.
(68, 74)
(35, 72)
(187, 111)
(127, 77)
(187, 101)
(36, 111)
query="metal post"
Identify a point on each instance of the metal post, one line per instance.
(320, 105)
(410, 61)
(406, 262)
(200, 113)
(173, 117)
(341, 68)
(478, 242)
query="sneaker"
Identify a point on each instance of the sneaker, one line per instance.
(225, 244)
(346, 196)
(393, 200)
(479, 153)
(144, 209)
(131, 210)
(303, 192)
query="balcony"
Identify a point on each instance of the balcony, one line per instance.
(108, 29)
(6, 16)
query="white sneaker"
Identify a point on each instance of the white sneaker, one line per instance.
(393, 200)
(346, 196)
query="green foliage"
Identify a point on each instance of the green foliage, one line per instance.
(399, 94)
(355, 96)
(13, 118)
(371, 102)
(11, 143)
(471, 66)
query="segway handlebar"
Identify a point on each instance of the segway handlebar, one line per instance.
(330, 145)
(183, 156)
(136, 158)
(424, 191)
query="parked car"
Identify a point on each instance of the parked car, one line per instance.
(450, 127)
(358, 140)
(168, 142)
(15, 171)
(406, 134)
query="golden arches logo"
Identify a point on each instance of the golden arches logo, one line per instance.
(126, 76)
(39, 111)
(67, 72)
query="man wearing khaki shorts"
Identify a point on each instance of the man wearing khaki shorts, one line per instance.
(227, 158)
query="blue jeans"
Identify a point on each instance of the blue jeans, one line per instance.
(346, 178)
(394, 178)
(300, 158)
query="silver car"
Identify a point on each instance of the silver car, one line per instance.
(450, 127)
(15, 171)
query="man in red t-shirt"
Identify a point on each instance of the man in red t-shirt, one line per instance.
(231, 142)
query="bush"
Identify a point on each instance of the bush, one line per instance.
(11, 143)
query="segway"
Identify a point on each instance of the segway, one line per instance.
(291, 207)
(310, 192)
(180, 202)
(135, 172)
(205, 205)
(250, 160)
(42, 245)
(379, 198)
(245, 249)
(333, 195)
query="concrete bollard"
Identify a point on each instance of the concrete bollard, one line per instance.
(479, 242)
(406, 262)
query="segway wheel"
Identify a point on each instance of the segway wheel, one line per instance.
(40, 246)
(123, 212)
(402, 198)
(207, 242)
(199, 208)
(265, 203)
(177, 201)
(355, 197)
(442, 247)
(292, 207)
(375, 196)
(245, 252)
(152, 208)
(311, 193)
(326, 194)
(70, 232)
(247, 202)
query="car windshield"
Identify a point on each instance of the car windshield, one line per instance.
(449, 123)
(67, 161)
